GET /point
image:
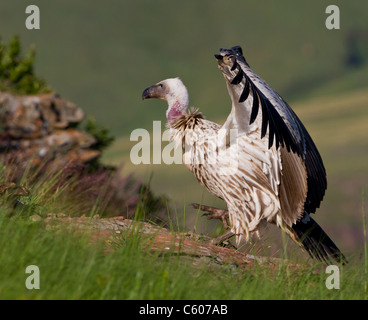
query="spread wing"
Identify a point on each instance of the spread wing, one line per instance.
(256, 106)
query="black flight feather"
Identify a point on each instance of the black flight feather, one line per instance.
(239, 77)
(245, 93)
(234, 66)
(279, 132)
(255, 106)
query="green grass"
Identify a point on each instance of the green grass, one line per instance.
(72, 266)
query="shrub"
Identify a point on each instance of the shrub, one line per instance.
(17, 72)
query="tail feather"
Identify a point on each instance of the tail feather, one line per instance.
(316, 242)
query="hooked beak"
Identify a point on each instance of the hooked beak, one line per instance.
(157, 91)
(147, 93)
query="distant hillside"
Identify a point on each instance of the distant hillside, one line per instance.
(102, 56)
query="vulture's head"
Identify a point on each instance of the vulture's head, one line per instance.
(174, 92)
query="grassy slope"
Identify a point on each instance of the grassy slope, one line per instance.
(73, 268)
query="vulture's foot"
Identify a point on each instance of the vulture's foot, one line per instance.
(213, 213)
(216, 213)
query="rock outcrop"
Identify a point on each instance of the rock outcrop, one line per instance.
(42, 127)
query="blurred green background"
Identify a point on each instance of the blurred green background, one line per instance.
(102, 54)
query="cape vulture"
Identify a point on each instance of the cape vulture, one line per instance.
(262, 162)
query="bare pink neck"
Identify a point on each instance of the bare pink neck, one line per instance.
(175, 111)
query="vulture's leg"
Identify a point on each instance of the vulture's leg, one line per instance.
(216, 213)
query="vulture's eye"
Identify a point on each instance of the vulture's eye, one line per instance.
(161, 85)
